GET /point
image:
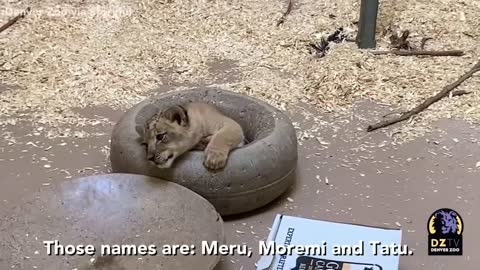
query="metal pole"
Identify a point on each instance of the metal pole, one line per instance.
(367, 24)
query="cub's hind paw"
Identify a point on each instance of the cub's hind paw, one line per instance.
(215, 159)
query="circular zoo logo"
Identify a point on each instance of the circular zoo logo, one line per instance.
(445, 229)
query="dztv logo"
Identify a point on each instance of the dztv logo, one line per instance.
(445, 228)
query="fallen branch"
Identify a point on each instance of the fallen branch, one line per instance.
(284, 16)
(14, 20)
(445, 91)
(415, 52)
(455, 93)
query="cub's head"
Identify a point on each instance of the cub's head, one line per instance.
(166, 136)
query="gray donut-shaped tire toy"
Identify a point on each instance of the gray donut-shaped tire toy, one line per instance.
(255, 174)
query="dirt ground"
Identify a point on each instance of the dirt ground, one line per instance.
(371, 179)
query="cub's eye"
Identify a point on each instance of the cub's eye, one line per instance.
(161, 137)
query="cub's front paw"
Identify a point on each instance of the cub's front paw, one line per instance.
(215, 159)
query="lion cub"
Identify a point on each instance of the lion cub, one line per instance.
(178, 129)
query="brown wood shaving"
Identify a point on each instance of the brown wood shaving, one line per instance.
(423, 42)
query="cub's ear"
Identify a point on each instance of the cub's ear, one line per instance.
(176, 114)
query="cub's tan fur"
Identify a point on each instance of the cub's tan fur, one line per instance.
(172, 132)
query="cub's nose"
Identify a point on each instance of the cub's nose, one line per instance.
(151, 157)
